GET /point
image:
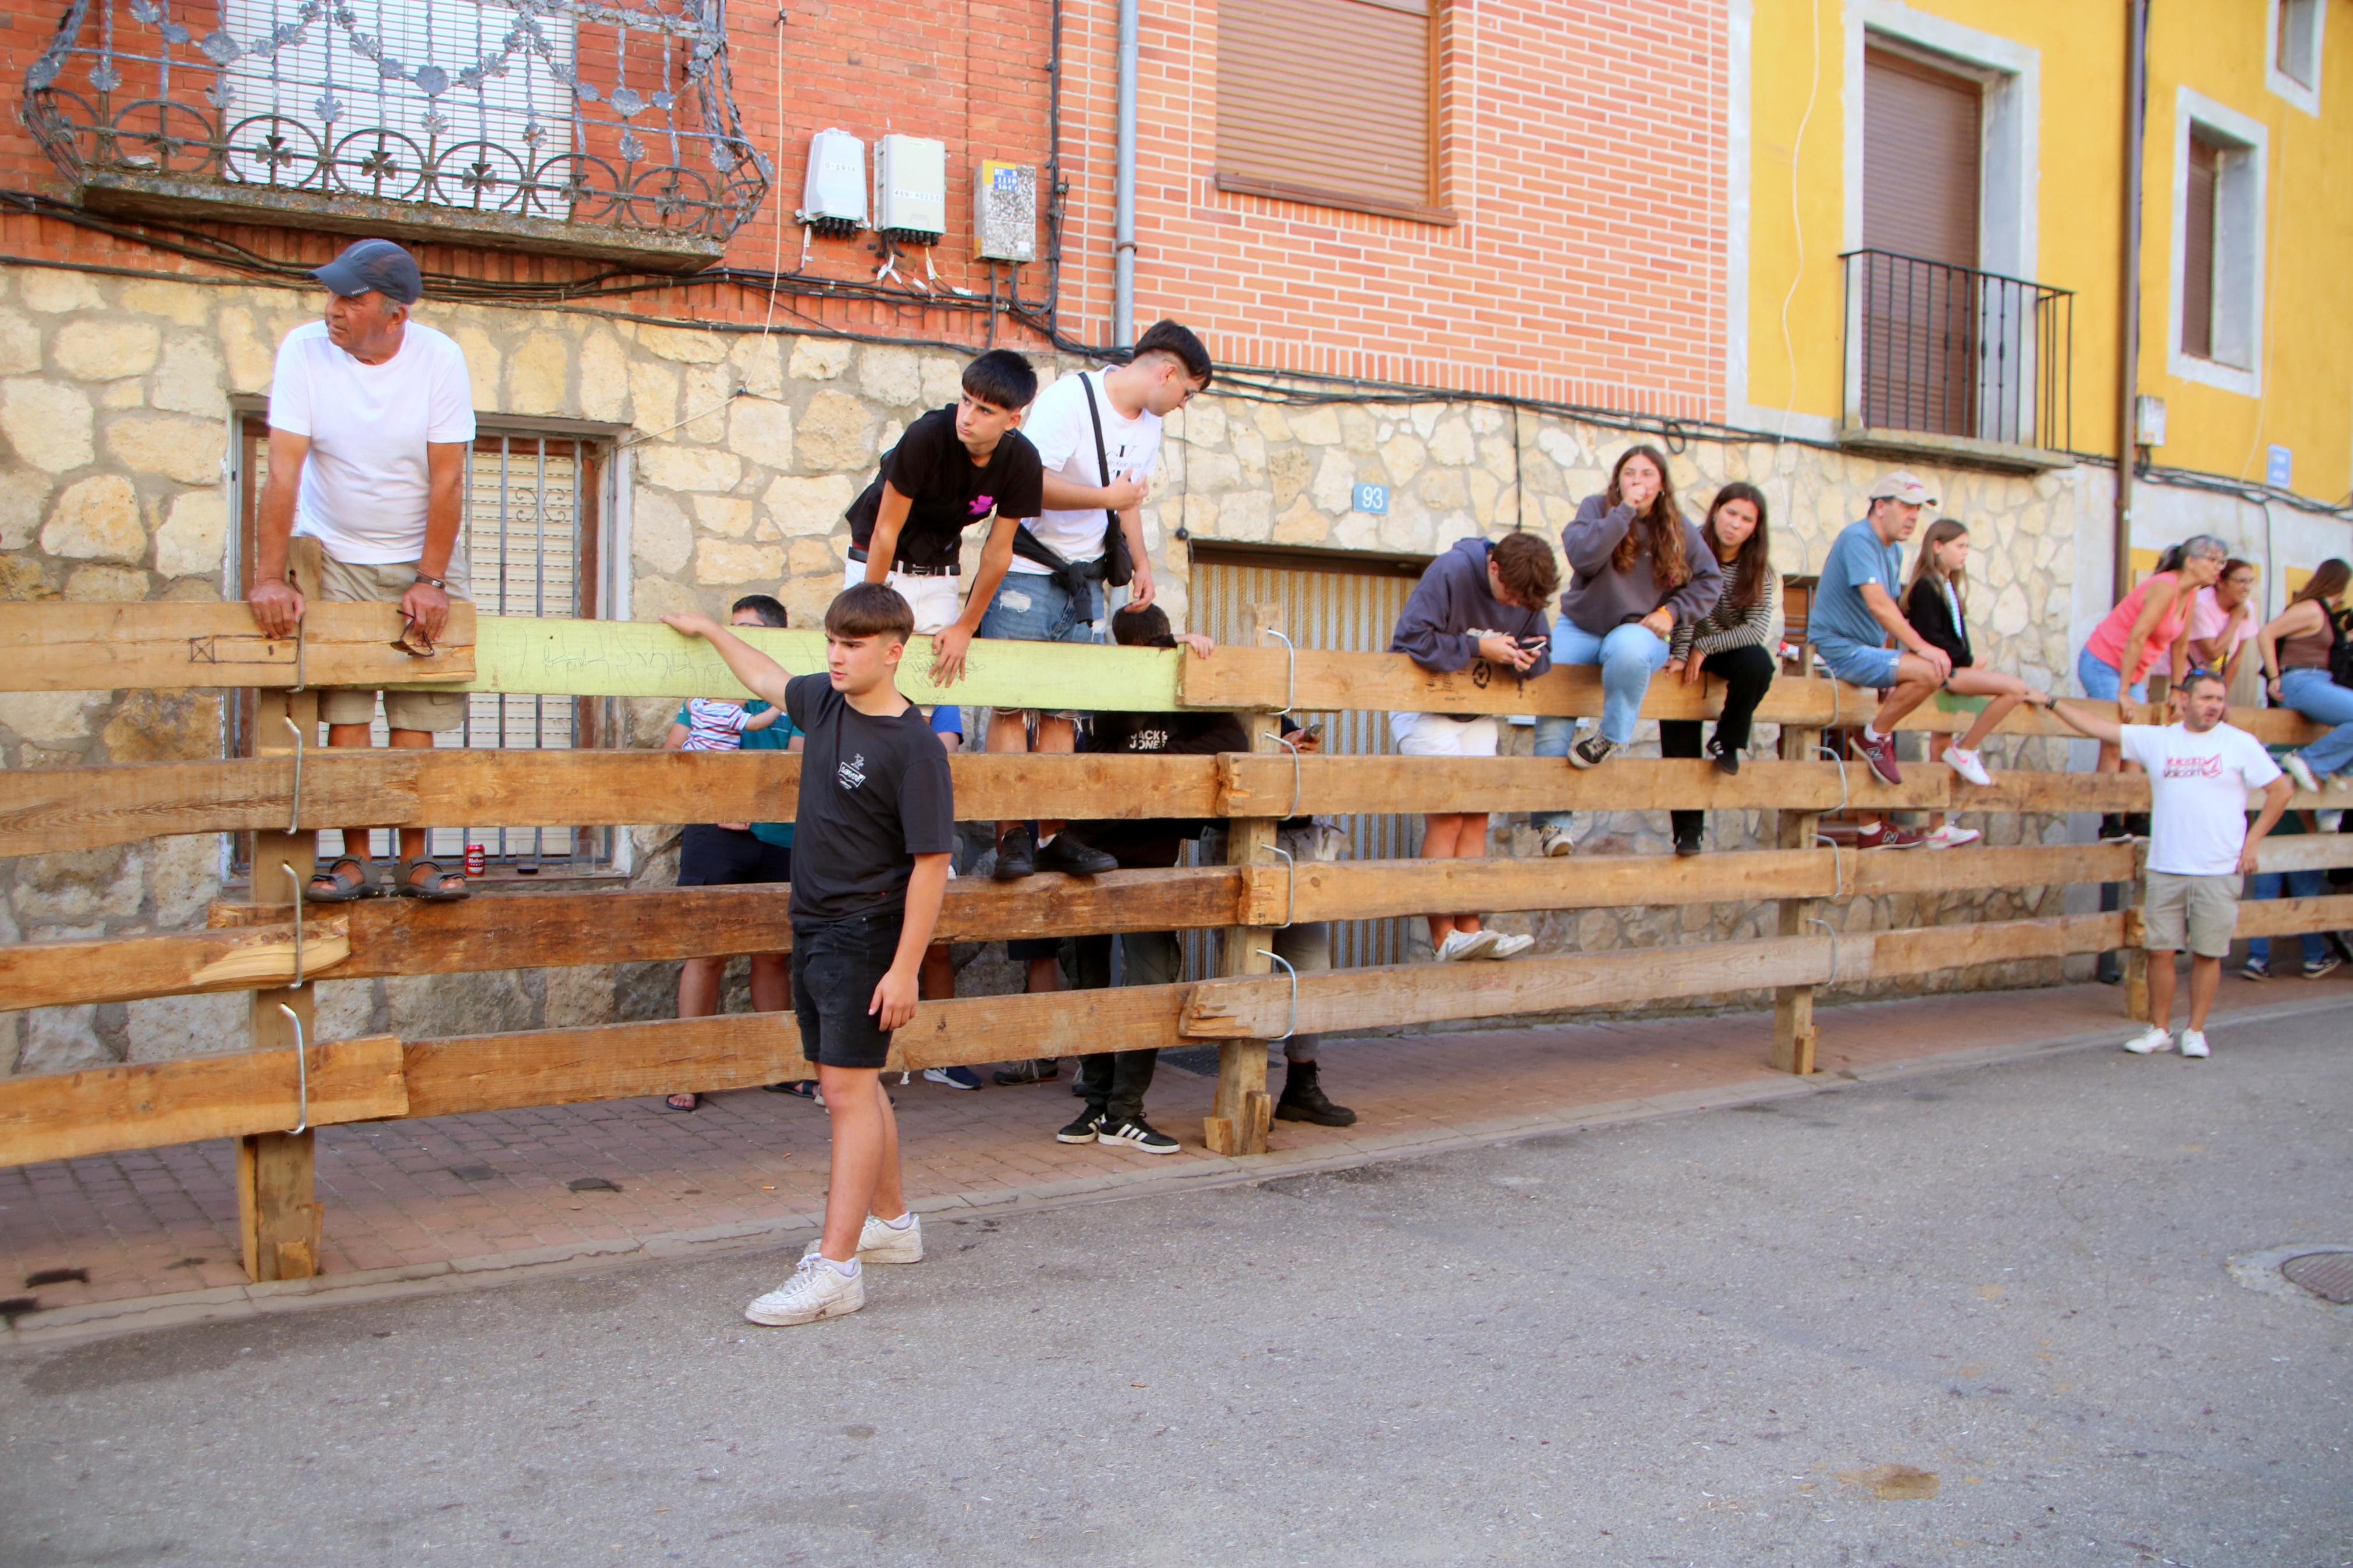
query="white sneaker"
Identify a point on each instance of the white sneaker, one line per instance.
(1554, 842)
(817, 1289)
(1461, 945)
(1968, 764)
(2296, 768)
(1509, 946)
(2193, 1043)
(1950, 838)
(880, 1243)
(2151, 1040)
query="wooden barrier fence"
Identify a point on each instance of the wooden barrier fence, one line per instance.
(258, 1096)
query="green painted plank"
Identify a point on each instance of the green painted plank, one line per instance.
(645, 658)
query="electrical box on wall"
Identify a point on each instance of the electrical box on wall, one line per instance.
(1005, 211)
(2148, 420)
(910, 188)
(833, 200)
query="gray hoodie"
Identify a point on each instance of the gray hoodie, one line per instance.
(1603, 599)
(1453, 607)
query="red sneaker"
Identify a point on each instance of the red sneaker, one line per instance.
(1887, 835)
(1880, 755)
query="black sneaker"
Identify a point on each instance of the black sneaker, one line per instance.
(1066, 853)
(1137, 1133)
(1084, 1130)
(1038, 1069)
(1727, 761)
(2326, 963)
(1592, 752)
(1687, 844)
(1303, 1099)
(2254, 969)
(1017, 854)
(2112, 828)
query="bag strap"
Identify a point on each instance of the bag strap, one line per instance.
(1102, 458)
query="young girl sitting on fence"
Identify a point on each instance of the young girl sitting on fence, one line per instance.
(1936, 603)
(2301, 661)
(1733, 642)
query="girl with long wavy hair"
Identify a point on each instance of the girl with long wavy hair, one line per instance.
(1733, 642)
(1641, 571)
(2298, 650)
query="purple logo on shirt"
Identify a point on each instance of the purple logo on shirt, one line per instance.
(983, 505)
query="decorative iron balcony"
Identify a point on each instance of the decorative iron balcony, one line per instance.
(1948, 351)
(564, 126)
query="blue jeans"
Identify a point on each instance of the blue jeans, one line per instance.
(2311, 693)
(2299, 885)
(1629, 655)
(2103, 682)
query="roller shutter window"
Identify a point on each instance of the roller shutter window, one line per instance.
(1921, 153)
(2198, 249)
(1328, 100)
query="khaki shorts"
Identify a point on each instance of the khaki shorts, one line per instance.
(2196, 912)
(344, 582)
(936, 601)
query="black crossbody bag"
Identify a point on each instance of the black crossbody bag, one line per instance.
(1118, 566)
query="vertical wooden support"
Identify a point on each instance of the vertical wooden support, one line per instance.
(2137, 955)
(278, 1211)
(1238, 1121)
(1793, 1005)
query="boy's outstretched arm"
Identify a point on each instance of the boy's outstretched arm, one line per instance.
(894, 1002)
(763, 676)
(761, 721)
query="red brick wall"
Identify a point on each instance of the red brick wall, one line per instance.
(1581, 147)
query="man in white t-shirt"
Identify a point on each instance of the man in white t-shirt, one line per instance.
(370, 419)
(1084, 489)
(2200, 771)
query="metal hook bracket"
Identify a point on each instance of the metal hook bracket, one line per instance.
(1839, 760)
(1832, 932)
(1838, 864)
(1292, 1026)
(294, 806)
(1297, 789)
(1291, 891)
(302, 1071)
(295, 880)
(1290, 669)
(301, 675)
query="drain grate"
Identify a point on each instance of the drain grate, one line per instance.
(2327, 1275)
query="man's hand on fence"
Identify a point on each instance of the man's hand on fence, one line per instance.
(894, 999)
(277, 608)
(427, 607)
(948, 646)
(690, 623)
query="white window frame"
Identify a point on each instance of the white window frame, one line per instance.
(2241, 231)
(2315, 16)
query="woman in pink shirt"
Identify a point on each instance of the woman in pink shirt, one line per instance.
(2222, 623)
(2153, 619)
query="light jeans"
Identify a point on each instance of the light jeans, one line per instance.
(1629, 655)
(2291, 885)
(2311, 693)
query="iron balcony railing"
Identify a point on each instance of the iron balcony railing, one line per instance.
(1940, 349)
(558, 125)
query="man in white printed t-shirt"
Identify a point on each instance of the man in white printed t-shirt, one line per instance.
(2200, 771)
(1085, 487)
(370, 419)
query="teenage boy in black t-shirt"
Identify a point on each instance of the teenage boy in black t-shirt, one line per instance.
(873, 834)
(954, 467)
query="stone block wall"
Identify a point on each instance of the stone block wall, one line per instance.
(743, 449)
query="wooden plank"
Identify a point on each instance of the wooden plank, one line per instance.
(2304, 851)
(1240, 1111)
(1951, 870)
(2294, 917)
(1374, 890)
(1796, 831)
(165, 645)
(99, 1111)
(1937, 949)
(124, 969)
(278, 1216)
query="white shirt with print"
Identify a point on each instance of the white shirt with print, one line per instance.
(1058, 426)
(2198, 787)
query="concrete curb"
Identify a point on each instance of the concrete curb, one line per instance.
(72, 1325)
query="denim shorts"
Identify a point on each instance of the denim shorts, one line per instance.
(1872, 668)
(835, 967)
(2102, 681)
(1031, 607)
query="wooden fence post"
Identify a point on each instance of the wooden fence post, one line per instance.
(1793, 1005)
(2135, 955)
(278, 1211)
(1238, 1121)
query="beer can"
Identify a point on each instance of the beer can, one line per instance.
(478, 859)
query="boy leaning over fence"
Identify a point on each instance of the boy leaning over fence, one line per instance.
(876, 822)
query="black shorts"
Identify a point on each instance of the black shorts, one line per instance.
(1022, 949)
(711, 856)
(835, 967)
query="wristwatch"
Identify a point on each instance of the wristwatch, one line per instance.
(434, 582)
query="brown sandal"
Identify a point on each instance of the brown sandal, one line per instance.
(443, 886)
(329, 887)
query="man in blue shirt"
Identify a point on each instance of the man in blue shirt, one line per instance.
(727, 854)
(1858, 629)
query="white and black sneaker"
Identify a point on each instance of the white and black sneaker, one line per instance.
(1592, 752)
(1085, 1130)
(1137, 1133)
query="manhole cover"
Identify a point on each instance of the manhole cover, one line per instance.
(2327, 1275)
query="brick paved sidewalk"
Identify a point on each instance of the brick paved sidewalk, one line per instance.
(150, 1236)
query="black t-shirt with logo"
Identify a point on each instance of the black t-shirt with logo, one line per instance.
(1153, 842)
(874, 794)
(948, 491)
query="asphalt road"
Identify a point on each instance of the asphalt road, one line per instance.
(1744, 1337)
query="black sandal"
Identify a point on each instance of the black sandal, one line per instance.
(443, 887)
(693, 1102)
(338, 891)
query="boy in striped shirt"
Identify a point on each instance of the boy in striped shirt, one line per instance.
(715, 724)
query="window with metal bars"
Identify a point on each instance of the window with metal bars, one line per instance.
(533, 541)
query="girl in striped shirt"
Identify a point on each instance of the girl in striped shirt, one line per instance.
(713, 724)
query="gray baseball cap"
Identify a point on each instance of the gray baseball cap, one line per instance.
(373, 265)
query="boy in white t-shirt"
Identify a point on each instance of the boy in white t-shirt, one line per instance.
(2200, 771)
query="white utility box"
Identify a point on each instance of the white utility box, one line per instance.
(833, 201)
(910, 188)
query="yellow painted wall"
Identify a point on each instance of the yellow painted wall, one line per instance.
(1798, 98)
